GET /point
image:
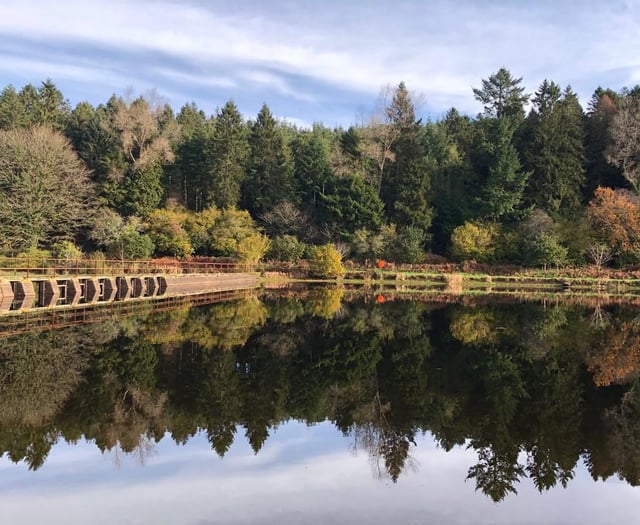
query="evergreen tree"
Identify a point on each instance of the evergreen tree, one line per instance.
(602, 107)
(502, 95)
(503, 192)
(554, 151)
(351, 204)
(226, 170)
(406, 182)
(193, 155)
(312, 168)
(452, 175)
(12, 114)
(53, 109)
(96, 141)
(269, 178)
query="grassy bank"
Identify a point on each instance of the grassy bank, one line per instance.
(468, 279)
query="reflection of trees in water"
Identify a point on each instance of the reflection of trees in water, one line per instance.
(388, 449)
(623, 443)
(38, 373)
(615, 358)
(496, 473)
(511, 382)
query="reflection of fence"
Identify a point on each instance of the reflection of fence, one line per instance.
(28, 266)
(35, 320)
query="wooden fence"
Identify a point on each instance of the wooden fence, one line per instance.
(28, 267)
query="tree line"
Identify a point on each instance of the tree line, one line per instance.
(532, 180)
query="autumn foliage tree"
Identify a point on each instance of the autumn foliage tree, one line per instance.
(615, 216)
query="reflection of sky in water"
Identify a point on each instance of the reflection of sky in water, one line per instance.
(302, 475)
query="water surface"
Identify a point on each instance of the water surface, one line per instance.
(326, 406)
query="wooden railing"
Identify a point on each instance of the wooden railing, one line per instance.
(28, 267)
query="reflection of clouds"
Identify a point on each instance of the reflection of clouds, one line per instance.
(303, 475)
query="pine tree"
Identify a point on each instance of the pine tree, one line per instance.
(406, 181)
(502, 194)
(312, 168)
(12, 114)
(502, 95)
(602, 108)
(226, 170)
(269, 179)
(554, 151)
(193, 155)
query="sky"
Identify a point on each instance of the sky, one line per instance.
(316, 60)
(303, 475)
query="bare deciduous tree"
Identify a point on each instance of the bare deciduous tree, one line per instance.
(145, 140)
(624, 149)
(600, 254)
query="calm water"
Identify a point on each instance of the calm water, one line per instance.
(325, 406)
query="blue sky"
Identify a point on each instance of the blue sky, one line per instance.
(314, 60)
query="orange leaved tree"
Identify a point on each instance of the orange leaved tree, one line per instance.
(615, 217)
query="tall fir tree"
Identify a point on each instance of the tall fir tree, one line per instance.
(600, 112)
(554, 151)
(93, 136)
(312, 167)
(406, 183)
(502, 95)
(226, 170)
(12, 113)
(502, 179)
(503, 192)
(193, 156)
(269, 179)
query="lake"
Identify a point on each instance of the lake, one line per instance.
(324, 405)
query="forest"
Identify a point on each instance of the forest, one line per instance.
(533, 180)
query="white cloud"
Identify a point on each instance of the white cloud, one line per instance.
(298, 49)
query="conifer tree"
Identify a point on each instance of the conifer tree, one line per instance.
(406, 183)
(226, 170)
(193, 155)
(554, 151)
(269, 179)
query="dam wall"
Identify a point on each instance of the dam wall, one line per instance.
(35, 293)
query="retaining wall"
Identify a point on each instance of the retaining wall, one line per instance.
(68, 292)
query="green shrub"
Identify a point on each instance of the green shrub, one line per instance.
(286, 248)
(252, 248)
(406, 246)
(541, 242)
(325, 262)
(475, 240)
(165, 227)
(66, 250)
(35, 257)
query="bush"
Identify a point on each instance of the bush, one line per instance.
(66, 250)
(252, 248)
(541, 243)
(36, 258)
(475, 240)
(406, 246)
(326, 262)
(365, 244)
(165, 227)
(286, 248)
